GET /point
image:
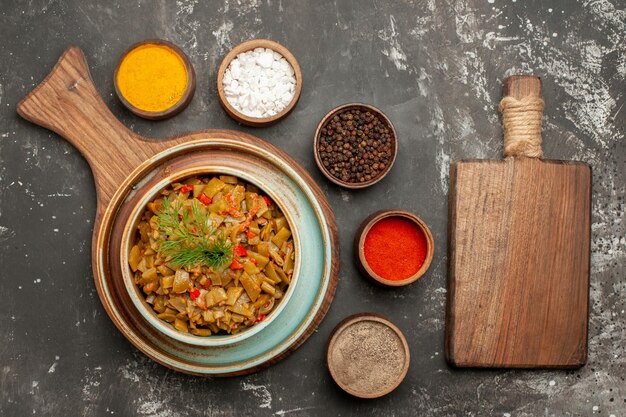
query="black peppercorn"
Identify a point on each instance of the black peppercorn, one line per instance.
(355, 146)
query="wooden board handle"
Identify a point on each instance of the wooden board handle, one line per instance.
(522, 109)
(520, 86)
(67, 102)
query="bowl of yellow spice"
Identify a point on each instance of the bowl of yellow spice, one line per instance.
(155, 79)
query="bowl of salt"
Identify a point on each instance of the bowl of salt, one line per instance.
(259, 82)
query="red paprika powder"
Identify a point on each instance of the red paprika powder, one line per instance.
(395, 248)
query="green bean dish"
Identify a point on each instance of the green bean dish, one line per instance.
(212, 255)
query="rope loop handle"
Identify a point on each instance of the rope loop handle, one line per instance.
(521, 120)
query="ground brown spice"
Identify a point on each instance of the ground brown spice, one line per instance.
(368, 357)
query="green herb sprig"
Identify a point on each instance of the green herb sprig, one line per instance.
(190, 241)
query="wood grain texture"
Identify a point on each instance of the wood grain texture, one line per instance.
(519, 263)
(67, 102)
(520, 86)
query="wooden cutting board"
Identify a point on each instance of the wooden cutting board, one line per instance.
(519, 250)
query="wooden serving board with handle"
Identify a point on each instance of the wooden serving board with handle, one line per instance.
(127, 166)
(519, 253)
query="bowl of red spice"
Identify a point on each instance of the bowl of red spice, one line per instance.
(355, 145)
(393, 247)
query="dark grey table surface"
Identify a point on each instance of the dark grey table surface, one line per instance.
(436, 68)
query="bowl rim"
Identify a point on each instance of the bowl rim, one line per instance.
(359, 242)
(245, 47)
(138, 298)
(340, 109)
(357, 318)
(181, 104)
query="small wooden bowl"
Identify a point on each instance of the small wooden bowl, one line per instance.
(359, 241)
(331, 114)
(184, 100)
(248, 46)
(339, 368)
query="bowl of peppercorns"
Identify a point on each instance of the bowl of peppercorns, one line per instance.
(355, 145)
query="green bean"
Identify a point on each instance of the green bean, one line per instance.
(280, 237)
(204, 300)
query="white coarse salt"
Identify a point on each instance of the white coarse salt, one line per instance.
(259, 83)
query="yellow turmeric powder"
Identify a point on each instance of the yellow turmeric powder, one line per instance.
(152, 77)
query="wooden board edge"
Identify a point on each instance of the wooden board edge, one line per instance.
(449, 343)
(475, 365)
(585, 352)
(499, 161)
(22, 105)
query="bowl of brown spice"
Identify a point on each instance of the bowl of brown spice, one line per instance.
(367, 355)
(355, 145)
